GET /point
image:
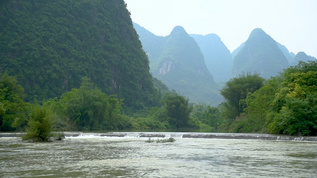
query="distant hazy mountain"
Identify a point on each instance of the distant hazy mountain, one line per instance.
(152, 44)
(301, 56)
(289, 55)
(260, 54)
(179, 63)
(217, 56)
(236, 51)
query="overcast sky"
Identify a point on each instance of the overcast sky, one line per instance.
(293, 23)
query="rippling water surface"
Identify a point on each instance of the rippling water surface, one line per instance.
(133, 157)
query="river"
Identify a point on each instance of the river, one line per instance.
(129, 155)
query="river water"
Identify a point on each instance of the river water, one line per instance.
(131, 156)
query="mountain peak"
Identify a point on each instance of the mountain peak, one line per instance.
(302, 56)
(301, 53)
(213, 36)
(179, 31)
(257, 32)
(259, 37)
(260, 54)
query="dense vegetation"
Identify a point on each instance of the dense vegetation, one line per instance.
(40, 124)
(236, 90)
(78, 65)
(12, 106)
(51, 45)
(286, 104)
(86, 109)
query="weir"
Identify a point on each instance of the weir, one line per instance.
(180, 135)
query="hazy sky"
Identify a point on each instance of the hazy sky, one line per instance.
(293, 23)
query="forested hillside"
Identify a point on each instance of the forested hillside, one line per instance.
(51, 45)
(178, 62)
(79, 65)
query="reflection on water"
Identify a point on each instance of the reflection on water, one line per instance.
(133, 157)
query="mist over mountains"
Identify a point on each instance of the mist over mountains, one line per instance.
(262, 55)
(301, 56)
(80, 65)
(100, 43)
(259, 54)
(217, 56)
(180, 60)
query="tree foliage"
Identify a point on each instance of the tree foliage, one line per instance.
(206, 118)
(237, 89)
(296, 114)
(12, 107)
(177, 110)
(91, 109)
(254, 118)
(40, 124)
(286, 104)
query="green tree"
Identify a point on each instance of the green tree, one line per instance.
(40, 124)
(12, 107)
(156, 119)
(258, 105)
(60, 120)
(297, 117)
(91, 109)
(296, 112)
(178, 110)
(207, 116)
(286, 104)
(212, 117)
(237, 90)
